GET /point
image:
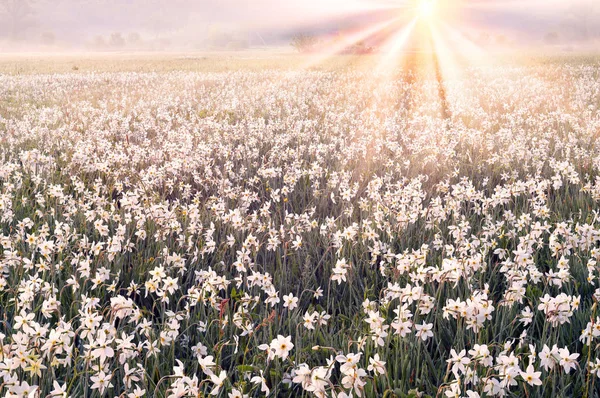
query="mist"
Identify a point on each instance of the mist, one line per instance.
(183, 25)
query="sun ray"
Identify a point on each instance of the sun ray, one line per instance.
(459, 42)
(345, 42)
(391, 50)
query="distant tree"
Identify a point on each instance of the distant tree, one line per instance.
(238, 44)
(116, 40)
(99, 43)
(358, 48)
(218, 37)
(134, 40)
(304, 43)
(551, 38)
(16, 14)
(581, 15)
(164, 43)
(163, 16)
(48, 38)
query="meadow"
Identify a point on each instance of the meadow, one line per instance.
(242, 227)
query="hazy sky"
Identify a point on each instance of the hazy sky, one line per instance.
(80, 21)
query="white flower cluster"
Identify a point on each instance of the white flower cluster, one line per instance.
(289, 233)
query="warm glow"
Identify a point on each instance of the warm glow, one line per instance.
(426, 8)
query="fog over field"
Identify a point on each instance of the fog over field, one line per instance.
(234, 24)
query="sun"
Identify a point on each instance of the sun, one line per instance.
(426, 9)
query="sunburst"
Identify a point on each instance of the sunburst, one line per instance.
(427, 9)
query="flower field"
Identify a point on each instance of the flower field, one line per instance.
(300, 233)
